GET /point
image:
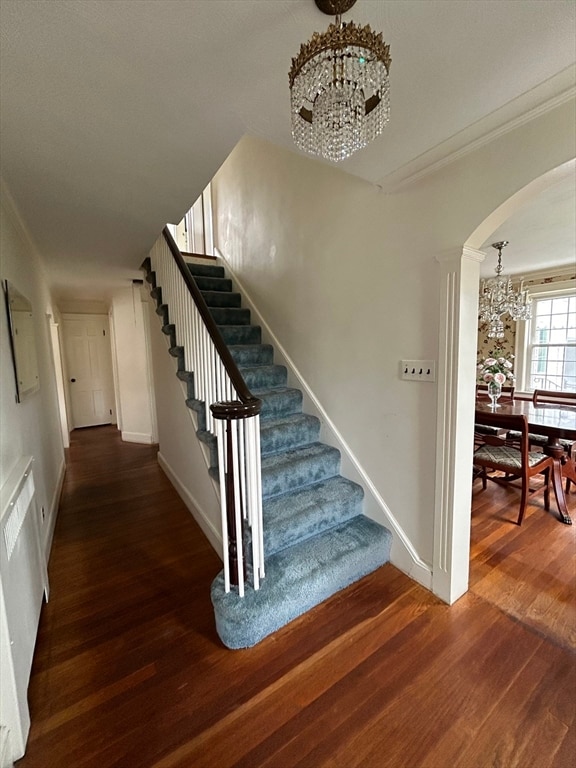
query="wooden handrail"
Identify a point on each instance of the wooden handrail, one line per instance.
(250, 405)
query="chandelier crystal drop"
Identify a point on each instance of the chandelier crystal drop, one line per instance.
(339, 87)
(498, 297)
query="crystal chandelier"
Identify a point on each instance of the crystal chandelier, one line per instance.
(498, 296)
(339, 87)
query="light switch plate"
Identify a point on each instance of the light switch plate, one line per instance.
(418, 370)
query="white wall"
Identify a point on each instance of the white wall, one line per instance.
(133, 391)
(29, 428)
(32, 427)
(348, 280)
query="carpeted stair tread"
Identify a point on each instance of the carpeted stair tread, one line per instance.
(162, 312)
(199, 408)
(288, 432)
(279, 402)
(288, 470)
(222, 299)
(241, 334)
(309, 511)
(169, 329)
(205, 270)
(213, 283)
(210, 441)
(252, 354)
(299, 578)
(230, 315)
(263, 377)
(188, 378)
(276, 436)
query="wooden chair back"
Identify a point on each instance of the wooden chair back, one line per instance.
(553, 397)
(513, 433)
(505, 424)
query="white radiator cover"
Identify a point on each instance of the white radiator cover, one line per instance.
(24, 581)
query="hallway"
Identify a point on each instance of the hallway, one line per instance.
(129, 670)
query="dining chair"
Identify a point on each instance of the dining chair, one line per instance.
(543, 397)
(481, 429)
(551, 397)
(512, 457)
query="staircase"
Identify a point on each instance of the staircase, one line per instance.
(316, 539)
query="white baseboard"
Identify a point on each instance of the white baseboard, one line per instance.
(213, 535)
(403, 554)
(137, 437)
(53, 514)
(5, 748)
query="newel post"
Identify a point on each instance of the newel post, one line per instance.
(233, 520)
(232, 457)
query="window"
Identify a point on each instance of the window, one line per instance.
(547, 347)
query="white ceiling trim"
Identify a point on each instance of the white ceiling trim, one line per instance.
(442, 155)
(16, 219)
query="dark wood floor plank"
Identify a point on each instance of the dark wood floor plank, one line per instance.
(541, 698)
(247, 726)
(451, 662)
(528, 571)
(129, 671)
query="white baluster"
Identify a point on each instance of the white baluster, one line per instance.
(213, 384)
(221, 426)
(258, 476)
(237, 511)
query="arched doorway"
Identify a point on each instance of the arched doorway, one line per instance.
(456, 363)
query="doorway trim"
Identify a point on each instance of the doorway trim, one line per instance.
(458, 340)
(460, 272)
(54, 328)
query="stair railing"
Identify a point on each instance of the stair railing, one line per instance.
(232, 411)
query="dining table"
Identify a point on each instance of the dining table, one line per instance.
(555, 422)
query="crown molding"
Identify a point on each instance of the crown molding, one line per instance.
(15, 217)
(511, 116)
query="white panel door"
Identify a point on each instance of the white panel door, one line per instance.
(89, 368)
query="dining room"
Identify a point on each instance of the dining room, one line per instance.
(522, 541)
(524, 476)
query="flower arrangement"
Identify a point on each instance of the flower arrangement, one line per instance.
(497, 369)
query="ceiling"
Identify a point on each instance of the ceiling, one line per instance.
(115, 114)
(541, 234)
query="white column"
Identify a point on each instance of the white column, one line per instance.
(455, 426)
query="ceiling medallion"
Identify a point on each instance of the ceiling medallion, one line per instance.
(339, 87)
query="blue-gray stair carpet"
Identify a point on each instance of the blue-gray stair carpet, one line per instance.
(316, 539)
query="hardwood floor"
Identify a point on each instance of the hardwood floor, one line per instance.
(129, 671)
(527, 571)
